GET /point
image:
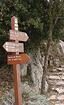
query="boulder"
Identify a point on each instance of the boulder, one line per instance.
(36, 61)
(60, 47)
(23, 69)
(36, 64)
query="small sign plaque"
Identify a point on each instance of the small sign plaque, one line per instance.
(18, 59)
(17, 35)
(13, 47)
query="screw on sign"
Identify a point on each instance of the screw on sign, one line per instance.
(16, 58)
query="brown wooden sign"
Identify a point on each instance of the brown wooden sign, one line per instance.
(18, 59)
(13, 47)
(17, 35)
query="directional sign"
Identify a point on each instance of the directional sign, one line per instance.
(18, 59)
(13, 47)
(17, 35)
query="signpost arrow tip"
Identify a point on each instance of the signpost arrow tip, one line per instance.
(17, 35)
(4, 46)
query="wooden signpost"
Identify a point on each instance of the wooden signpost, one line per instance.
(16, 59)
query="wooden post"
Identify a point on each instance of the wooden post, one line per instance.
(16, 59)
(16, 69)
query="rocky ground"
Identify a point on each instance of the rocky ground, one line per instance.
(30, 93)
(6, 82)
(30, 98)
(55, 80)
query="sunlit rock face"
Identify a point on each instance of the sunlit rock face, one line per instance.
(60, 47)
(35, 66)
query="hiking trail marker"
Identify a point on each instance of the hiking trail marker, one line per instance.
(17, 35)
(16, 59)
(13, 47)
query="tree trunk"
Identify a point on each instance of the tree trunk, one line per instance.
(53, 21)
(46, 63)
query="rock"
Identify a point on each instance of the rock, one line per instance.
(46, 86)
(59, 104)
(36, 64)
(51, 62)
(59, 90)
(60, 47)
(56, 62)
(38, 100)
(60, 83)
(52, 97)
(54, 77)
(29, 89)
(23, 69)
(25, 87)
(60, 97)
(33, 103)
(62, 77)
(54, 70)
(62, 66)
(60, 69)
(36, 68)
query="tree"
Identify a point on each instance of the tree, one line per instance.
(56, 8)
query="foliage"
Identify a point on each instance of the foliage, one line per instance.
(33, 18)
(30, 16)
